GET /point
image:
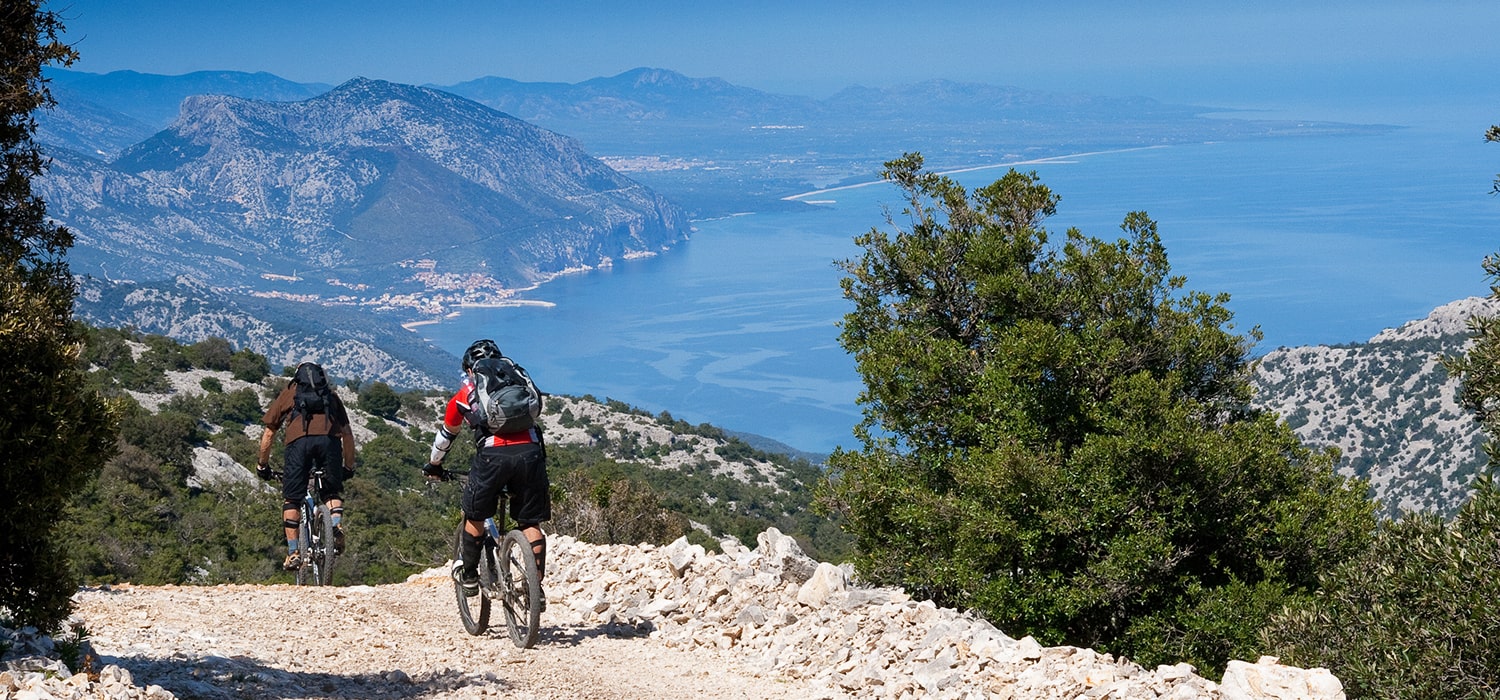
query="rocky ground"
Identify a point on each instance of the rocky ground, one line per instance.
(622, 622)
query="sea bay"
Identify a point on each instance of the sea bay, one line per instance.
(1318, 240)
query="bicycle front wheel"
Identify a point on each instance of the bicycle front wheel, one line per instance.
(474, 611)
(521, 589)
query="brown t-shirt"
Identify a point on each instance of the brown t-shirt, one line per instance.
(317, 424)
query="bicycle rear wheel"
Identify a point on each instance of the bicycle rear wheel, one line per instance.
(521, 589)
(306, 572)
(322, 549)
(473, 611)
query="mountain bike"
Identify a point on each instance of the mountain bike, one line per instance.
(507, 575)
(314, 533)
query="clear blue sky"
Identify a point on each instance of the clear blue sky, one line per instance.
(1274, 51)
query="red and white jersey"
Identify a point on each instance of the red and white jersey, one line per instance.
(459, 408)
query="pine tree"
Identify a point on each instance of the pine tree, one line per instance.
(54, 434)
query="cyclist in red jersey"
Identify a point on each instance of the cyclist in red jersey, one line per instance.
(513, 462)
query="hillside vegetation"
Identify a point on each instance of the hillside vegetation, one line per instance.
(1389, 406)
(179, 502)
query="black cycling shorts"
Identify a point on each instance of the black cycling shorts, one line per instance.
(302, 455)
(517, 470)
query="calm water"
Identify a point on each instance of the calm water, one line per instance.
(1324, 240)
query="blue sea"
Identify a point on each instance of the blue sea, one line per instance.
(1318, 240)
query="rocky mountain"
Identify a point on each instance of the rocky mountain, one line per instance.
(89, 128)
(1388, 406)
(348, 344)
(641, 94)
(373, 194)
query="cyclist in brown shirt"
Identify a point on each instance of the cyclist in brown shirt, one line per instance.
(317, 436)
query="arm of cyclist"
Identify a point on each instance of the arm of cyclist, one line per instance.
(440, 445)
(263, 460)
(346, 442)
(275, 415)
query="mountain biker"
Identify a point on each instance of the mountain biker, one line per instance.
(515, 462)
(315, 436)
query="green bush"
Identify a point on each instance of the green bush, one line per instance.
(612, 509)
(248, 366)
(1417, 616)
(211, 353)
(379, 399)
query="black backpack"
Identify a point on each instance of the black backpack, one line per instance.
(504, 399)
(313, 395)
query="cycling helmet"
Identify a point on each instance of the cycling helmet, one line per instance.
(480, 350)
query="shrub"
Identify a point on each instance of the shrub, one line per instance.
(1416, 616)
(379, 399)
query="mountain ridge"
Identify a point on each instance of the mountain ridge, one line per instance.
(417, 192)
(1388, 406)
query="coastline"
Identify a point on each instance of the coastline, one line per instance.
(1063, 158)
(414, 325)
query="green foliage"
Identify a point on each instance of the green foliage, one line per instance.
(55, 432)
(1413, 617)
(1416, 615)
(1492, 135)
(379, 399)
(211, 353)
(612, 509)
(247, 365)
(1060, 437)
(70, 646)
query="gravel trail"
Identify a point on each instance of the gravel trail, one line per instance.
(392, 641)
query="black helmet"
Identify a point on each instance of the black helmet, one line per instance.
(480, 350)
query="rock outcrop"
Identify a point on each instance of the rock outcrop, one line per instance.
(777, 612)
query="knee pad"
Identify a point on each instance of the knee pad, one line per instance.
(291, 524)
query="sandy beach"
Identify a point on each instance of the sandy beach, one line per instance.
(1010, 164)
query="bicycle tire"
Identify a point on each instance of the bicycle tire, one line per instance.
(322, 551)
(305, 573)
(521, 590)
(475, 611)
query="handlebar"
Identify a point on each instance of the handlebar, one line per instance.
(315, 473)
(450, 475)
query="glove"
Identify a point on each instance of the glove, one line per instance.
(348, 473)
(434, 471)
(264, 471)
